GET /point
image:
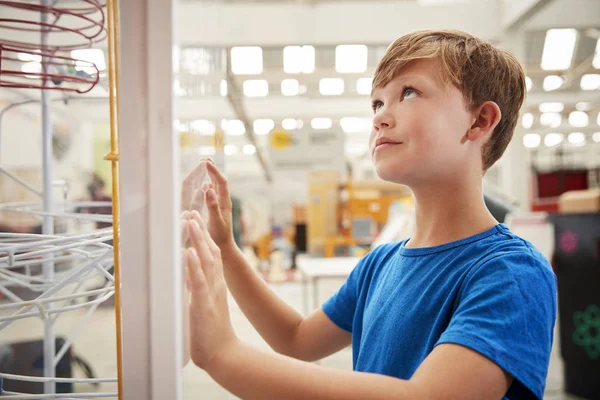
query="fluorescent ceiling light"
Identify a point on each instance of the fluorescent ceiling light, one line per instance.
(246, 60)
(364, 85)
(331, 86)
(552, 82)
(256, 88)
(321, 123)
(263, 126)
(576, 138)
(596, 137)
(532, 140)
(223, 87)
(95, 56)
(351, 58)
(552, 107)
(553, 139)
(298, 59)
(249, 149)
(528, 83)
(590, 82)
(552, 120)
(527, 120)
(203, 127)
(230, 149)
(290, 87)
(558, 49)
(233, 127)
(579, 119)
(356, 125)
(289, 124)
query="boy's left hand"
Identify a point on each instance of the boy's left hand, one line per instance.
(211, 331)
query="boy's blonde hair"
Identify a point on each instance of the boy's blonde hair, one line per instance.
(481, 71)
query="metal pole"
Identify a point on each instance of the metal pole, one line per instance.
(48, 223)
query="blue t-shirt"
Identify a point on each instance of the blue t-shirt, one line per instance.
(492, 292)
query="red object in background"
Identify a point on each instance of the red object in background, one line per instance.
(552, 184)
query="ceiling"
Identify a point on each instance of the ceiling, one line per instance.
(200, 92)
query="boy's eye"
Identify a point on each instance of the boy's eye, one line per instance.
(377, 105)
(409, 93)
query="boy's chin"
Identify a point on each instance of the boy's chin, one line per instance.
(392, 175)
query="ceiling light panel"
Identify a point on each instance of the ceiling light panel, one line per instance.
(331, 86)
(256, 88)
(290, 87)
(364, 85)
(321, 123)
(590, 82)
(246, 60)
(299, 59)
(351, 58)
(558, 50)
(532, 140)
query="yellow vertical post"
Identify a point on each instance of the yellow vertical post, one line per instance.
(113, 156)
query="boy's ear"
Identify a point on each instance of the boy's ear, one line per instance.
(487, 115)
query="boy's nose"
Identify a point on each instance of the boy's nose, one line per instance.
(383, 121)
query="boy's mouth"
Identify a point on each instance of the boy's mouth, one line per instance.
(384, 142)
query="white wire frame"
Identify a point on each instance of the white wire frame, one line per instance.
(83, 256)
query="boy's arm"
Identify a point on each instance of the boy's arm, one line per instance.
(449, 372)
(282, 327)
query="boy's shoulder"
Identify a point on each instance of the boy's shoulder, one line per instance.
(498, 248)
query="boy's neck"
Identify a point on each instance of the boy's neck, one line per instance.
(449, 212)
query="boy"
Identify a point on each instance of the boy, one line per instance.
(464, 309)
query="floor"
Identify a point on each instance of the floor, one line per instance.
(97, 345)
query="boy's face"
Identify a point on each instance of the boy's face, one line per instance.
(419, 125)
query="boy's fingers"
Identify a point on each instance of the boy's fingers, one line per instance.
(195, 273)
(186, 270)
(214, 209)
(198, 200)
(185, 232)
(202, 250)
(220, 183)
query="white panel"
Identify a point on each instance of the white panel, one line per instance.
(151, 295)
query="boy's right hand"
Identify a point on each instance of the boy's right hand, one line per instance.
(218, 202)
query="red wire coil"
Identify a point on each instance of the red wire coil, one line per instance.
(76, 27)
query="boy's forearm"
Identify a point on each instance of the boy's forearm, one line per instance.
(276, 321)
(251, 373)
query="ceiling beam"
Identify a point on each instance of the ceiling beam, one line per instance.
(516, 13)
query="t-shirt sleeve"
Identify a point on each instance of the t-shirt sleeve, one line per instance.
(341, 307)
(506, 311)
